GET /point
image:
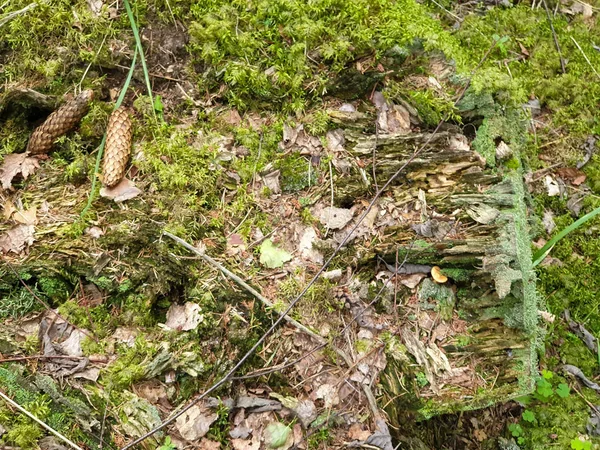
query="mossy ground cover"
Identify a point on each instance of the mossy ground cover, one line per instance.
(271, 60)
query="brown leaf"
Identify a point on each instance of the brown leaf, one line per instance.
(571, 175)
(480, 435)
(524, 51)
(124, 190)
(9, 209)
(206, 444)
(15, 164)
(17, 238)
(356, 432)
(195, 423)
(27, 217)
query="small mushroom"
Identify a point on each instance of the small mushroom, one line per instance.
(437, 275)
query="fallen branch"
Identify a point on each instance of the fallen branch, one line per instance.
(39, 422)
(227, 377)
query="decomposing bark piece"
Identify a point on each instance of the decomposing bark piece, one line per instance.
(474, 232)
(59, 122)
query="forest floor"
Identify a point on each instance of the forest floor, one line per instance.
(235, 151)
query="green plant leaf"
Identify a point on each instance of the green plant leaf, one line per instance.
(277, 434)
(578, 444)
(563, 390)
(547, 374)
(539, 256)
(525, 400)
(528, 416)
(271, 256)
(158, 105)
(515, 429)
(544, 389)
(140, 49)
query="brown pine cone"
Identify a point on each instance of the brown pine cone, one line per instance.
(59, 122)
(118, 144)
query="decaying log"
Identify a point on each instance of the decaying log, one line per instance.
(470, 341)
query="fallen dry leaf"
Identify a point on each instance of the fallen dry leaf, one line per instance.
(17, 238)
(243, 444)
(335, 218)
(357, 433)
(306, 246)
(195, 422)
(15, 164)
(8, 209)
(125, 190)
(206, 444)
(184, 317)
(27, 217)
(571, 175)
(552, 186)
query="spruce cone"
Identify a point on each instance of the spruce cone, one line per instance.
(118, 144)
(59, 122)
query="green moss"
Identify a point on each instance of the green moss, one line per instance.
(283, 53)
(130, 366)
(296, 173)
(91, 318)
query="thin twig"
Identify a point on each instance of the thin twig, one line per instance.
(95, 57)
(39, 422)
(27, 358)
(101, 444)
(450, 13)
(256, 163)
(12, 15)
(556, 44)
(585, 56)
(323, 268)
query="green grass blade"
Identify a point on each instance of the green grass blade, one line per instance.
(92, 195)
(539, 256)
(140, 50)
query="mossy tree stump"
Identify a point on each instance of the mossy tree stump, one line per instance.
(470, 341)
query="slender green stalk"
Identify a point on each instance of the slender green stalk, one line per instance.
(539, 256)
(92, 195)
(140, 50)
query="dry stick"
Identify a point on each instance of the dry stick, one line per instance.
(556, 44)
(38, 421)
(283, 315)
(46, 305)
(27, 358)
(585, 56)
(252, 291)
